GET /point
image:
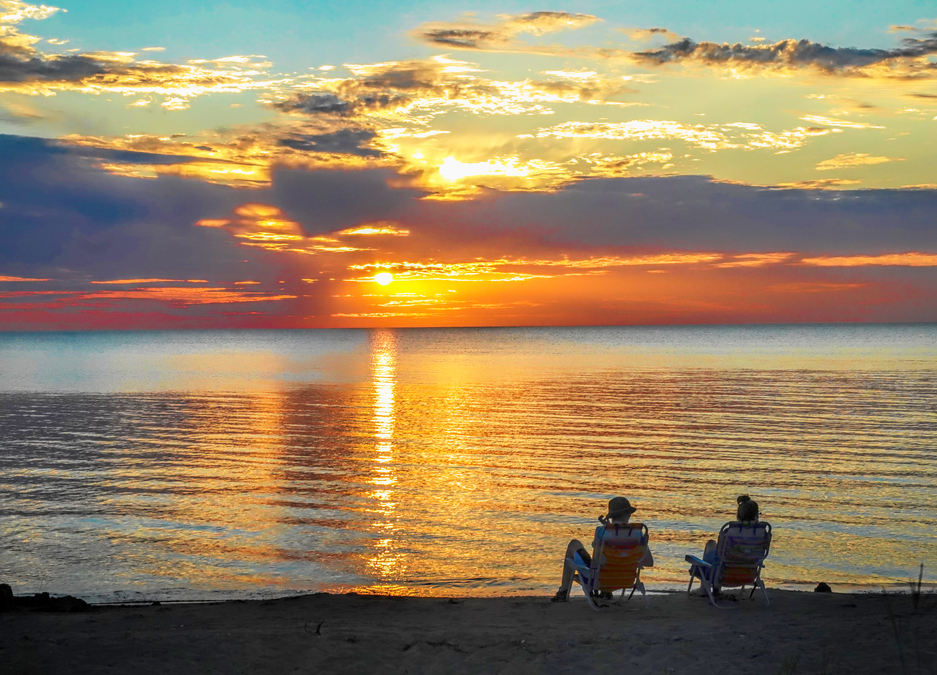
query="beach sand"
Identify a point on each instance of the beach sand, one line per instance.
(797, 633)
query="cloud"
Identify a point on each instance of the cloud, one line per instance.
(905, 62)
(417, 90)
(38, 74)
(502, 35)
(756, 259)
(699, 135)
(13, 12)
(20, 114)
(268, 227)
(18, 279)
(26, 70)
(821, 184)
(912, 259)
(243, 158)
(645, 34)
(853, 160)
(124, 282)
(815, 287)
(66, 221)
(343, 141)
(371, 229)
(709, 137)
(846, 124)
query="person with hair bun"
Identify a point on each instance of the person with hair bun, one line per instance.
(746, 513)
(748, 509)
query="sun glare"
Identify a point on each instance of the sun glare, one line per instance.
(384, 278)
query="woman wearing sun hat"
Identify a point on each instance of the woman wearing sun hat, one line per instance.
(619, 513)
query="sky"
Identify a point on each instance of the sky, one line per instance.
(359, 164)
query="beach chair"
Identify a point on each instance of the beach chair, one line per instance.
(616, 563)
(740, 556)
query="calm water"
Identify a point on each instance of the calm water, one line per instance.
(188, 465)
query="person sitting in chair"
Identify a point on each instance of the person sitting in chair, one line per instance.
(619, 513)
(747, 513)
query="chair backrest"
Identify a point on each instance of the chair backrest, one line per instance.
(741, 551)
(619, 550)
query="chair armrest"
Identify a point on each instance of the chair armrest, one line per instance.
(693, 560)
(572, 564)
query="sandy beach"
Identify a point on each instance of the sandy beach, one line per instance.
(322, 633)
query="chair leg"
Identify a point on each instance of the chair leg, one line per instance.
(591, 601)
(640, 586)
(622, 598)
(709, 591)
(761, 585)
(690, 585)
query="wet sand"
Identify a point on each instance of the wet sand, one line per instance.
(322, 633)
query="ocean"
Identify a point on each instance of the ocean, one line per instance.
(241, 464)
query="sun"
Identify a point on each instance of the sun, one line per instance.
(384, 278)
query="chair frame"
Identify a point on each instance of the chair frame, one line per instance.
(708, 572)
(589, 576)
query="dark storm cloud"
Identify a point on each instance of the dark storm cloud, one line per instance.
(792, 55)
(60, 212)
(696, 213)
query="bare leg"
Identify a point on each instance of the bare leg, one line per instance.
(563, 593)
(709, 555)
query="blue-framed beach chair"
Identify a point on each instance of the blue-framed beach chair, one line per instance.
(616, 563)
(740, 556)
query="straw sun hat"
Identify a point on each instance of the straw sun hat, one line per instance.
(618, 507)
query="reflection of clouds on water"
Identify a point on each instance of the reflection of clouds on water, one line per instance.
(385, 559)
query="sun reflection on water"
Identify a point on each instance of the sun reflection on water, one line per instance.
(385, 559)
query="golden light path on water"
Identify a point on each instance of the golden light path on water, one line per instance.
(386, 561)
(441, 462)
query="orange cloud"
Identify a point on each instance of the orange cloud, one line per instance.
(152, 281)
(852, 160)
(912, 259)
(185, 297)
(379, 228)
(756, 259)
(813, 287)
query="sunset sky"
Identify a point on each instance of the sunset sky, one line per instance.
(322, 164)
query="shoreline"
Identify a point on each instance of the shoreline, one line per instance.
(122, 598)
(796, 632)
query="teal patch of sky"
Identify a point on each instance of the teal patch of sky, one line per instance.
(297, 35)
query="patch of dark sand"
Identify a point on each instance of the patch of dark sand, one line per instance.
(798, 632)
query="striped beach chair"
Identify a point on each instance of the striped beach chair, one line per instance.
(740, 556)
(616, 563)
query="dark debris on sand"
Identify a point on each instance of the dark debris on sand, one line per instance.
(39, 602)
